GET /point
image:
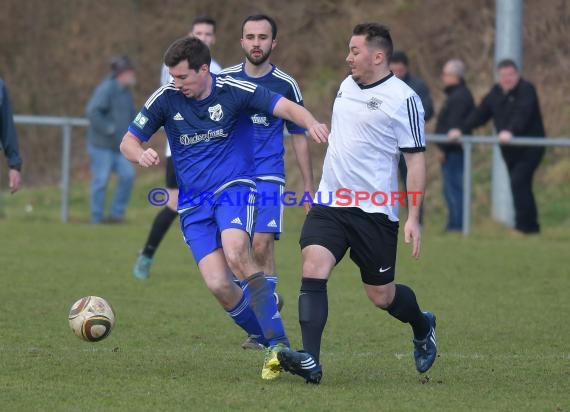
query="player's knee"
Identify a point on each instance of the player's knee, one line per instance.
(316, 269)
(238, 258)
(261, 249)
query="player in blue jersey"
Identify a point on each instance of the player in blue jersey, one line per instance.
(200, 113)
(259, 33)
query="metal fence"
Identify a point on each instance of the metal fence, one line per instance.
(469, 141)
(68, 123)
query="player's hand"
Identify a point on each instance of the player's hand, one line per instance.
(505, 136)
(308, 205)
(149, 158)
(412, 233)
(319, 132)
(454, 134)
(15, 180)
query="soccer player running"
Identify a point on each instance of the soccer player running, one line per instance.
(214, 170)
(375, 117)
(203, 28)
(259, 34)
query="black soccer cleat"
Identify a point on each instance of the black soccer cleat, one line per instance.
(300, 363)
(425, 350)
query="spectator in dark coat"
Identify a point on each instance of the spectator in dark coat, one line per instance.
(9, 139)
(513, 105)
(455, 110)
(399, 65)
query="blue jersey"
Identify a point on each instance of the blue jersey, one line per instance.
(267, 130)
(204, 135)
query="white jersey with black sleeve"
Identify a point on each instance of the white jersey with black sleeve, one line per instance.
(371, 125)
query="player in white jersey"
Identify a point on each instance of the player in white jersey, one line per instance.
(375, 117)
(203, 28)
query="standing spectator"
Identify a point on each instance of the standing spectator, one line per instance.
(456, 109)
(400, 66)
(513, 105)
(110, 111)
(203, 28)
(9, 139)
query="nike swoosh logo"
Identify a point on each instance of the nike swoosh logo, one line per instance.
(382, 270)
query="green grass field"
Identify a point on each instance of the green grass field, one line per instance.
(502, 304)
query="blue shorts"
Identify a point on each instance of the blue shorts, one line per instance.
(202, 226)
(269, 208)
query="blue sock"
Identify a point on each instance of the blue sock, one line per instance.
(272, 280)
(264, 306)
(244, 317)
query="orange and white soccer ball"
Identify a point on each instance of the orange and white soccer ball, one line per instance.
(91, 318)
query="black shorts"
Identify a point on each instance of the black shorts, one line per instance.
(171, 182)
(371, 237)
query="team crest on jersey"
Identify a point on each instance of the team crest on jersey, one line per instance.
(216, 112)
(373, 104)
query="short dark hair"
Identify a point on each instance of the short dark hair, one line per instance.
(190, 49)
(120, 64)
(400, 57)
(376, 34)
(261, 17)
(507, 63)
(204, 20)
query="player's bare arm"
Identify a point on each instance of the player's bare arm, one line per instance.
(303, 156)
(415, 184)
(133, 150)
(286, 109)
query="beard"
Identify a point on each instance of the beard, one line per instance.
(256, 61)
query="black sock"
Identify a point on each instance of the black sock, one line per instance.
(313, 313)
(159, 227)
(405, 308)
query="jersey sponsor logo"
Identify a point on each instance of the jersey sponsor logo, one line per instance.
(259, 119)
(339, 95)
(237, 221)
(187, 140)
(141, 120)
(272, 223)
(373, 104)
(216, 112)
(178, 116)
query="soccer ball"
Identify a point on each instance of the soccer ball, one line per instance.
(91, 318)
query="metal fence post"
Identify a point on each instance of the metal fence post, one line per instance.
(508, 44)
(467, 179)
(65, 170)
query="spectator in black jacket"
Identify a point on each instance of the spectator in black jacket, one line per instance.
(513, 106)
(456, 109)
(9, 139)
(399, 65)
